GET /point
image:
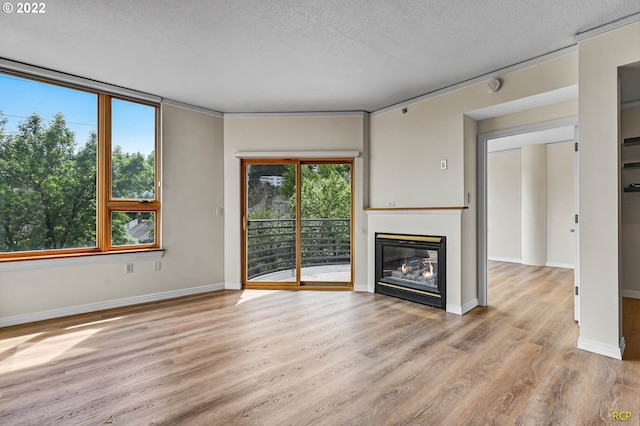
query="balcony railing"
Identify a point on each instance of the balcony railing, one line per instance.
(271, 244)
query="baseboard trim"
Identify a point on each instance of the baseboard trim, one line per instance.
(505, 259)
(602, 348)
(454, 309)
(469, 306)
(233, 286)
(461, 310)
(631, 294)
(100, 306)
(559, 265)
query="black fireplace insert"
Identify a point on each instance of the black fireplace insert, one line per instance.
(412, 267)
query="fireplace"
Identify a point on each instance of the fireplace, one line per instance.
(412, 267)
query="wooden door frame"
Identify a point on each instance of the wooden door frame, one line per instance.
(298, 284)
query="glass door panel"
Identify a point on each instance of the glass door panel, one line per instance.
(325, 222)
(270, 223)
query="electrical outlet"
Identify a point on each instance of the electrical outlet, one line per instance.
(443, 164)
(128, 268)
(218, 211)
(391, 204)
(157, 265)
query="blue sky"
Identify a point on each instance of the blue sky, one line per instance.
(133, 124)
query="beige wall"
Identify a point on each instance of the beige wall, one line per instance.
(432, 130)
(504, 206)
(504, 182)
(531, 116)
(561, 246)
(630, 268)
(291, 135)
(599, 185)
(192, 234)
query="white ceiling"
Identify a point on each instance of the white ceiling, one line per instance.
(295, 55)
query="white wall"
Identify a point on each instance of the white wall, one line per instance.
(289, 135)
(505, 211)
(560, 205)
(599, 187)
(192, 235)
(534, 204)
(630, 267)
(504, 207)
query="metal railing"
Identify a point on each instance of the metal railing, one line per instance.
(271, 244)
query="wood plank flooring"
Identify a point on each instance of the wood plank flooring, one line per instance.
(322, 358)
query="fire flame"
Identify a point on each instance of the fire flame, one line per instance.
(428, 272)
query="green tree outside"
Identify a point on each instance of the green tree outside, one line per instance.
(48, 187)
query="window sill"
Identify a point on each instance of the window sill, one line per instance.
(79, 259)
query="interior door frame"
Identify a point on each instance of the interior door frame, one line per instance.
(482, 224)
(576, 226)
(298, 284)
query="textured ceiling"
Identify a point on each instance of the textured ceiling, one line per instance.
(295, 55)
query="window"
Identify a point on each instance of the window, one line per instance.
(78, 171)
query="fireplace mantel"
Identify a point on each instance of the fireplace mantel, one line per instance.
(447, 222)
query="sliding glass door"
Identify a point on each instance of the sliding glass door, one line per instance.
(297, 223)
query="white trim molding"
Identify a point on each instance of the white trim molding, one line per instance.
(602, 348)
(584, 35)
(109, 304)
(461, 310)
(294, 114)
(631, 294)
(469, 306)
(482, 197)
(233, 286)
(504, 259)
(454, 309)
(192, 107)
(559, 265)
(60, 77)
(296, 154)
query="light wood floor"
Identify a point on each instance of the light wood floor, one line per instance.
(321, 358)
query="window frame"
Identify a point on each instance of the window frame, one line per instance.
(105, 203)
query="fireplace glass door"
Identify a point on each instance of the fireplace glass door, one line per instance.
(415, 268)
(412, 267)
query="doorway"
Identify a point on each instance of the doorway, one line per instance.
(517, 137)
(297, 223)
